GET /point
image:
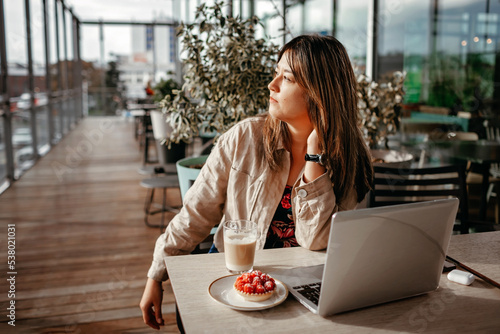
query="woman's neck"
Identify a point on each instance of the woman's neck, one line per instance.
(298, 137)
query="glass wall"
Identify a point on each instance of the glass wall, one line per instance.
(3, 152)
(39, 57)
(270, 13)
(351, 29)
(40, 79)
(449, 50)
(19, 85)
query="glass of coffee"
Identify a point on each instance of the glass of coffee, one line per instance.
(240, 238)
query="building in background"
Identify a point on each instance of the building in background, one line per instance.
(153, 58)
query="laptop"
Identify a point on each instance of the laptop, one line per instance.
(376, 255)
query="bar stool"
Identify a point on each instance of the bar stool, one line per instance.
(153, 183)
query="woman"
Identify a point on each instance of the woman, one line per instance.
(257, 169)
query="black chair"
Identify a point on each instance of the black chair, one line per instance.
(393, 186)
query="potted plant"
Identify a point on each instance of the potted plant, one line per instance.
(172, 152)
(226, 73)
(380, 107)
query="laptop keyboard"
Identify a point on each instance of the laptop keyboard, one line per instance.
(310, 291)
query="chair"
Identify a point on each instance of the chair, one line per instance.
(188, 170)
(158, 182)
(146, 138)
(393, 186)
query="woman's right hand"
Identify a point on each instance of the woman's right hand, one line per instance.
(151, 304)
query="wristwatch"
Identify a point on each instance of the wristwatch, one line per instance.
(318, 158)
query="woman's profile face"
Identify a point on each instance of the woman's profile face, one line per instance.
(287, 100)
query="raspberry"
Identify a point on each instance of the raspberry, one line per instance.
(240, 286)
(256, 281)
(246, 278)
(260, 289)
(269, 285)
(248, 288)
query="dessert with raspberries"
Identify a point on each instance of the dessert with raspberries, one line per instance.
(255, 286)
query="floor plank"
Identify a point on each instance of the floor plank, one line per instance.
(82, 248)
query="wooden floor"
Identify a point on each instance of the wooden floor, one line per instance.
(82, 249)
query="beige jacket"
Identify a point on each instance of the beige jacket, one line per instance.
(237, 183)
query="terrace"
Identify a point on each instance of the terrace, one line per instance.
(69, 158)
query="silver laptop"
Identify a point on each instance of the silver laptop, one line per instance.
(375, 256)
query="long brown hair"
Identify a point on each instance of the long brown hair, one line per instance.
(321, 67)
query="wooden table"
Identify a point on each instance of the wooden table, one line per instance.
(479, 251)
(452, 308)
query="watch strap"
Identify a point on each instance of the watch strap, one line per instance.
(318, 158)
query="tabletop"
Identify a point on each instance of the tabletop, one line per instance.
(450, 308)
(476, 151)
(479, 251)
(143, 106)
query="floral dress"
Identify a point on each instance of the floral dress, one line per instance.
(281, 233)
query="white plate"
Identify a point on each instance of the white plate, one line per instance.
(222, 291)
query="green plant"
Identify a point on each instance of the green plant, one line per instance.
(380, 107)
(226, 73)
(165, 88)
(455, 81)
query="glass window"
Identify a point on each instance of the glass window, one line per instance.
(164, 50)
(39, 72)
(403, 42)
(54, 70)
(295, 19)
(69, 35)
(3, 154)
(22, 141)
(57, 113)
(15, 31)
(54, 67)
(2, 87)
(90, 36)
(318, 17)
(351, 29)
(38, 44)
(448, 51)
(42, 126)
(38, 48)
(314, 16)
(241, 8)
(270, 14)
(62, 56)
(69, 50)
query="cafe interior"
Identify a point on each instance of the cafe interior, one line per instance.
(90, 177)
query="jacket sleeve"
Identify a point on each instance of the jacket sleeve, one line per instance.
(314, 203)
(202, 210)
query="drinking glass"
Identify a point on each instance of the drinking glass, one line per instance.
(240, 238)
